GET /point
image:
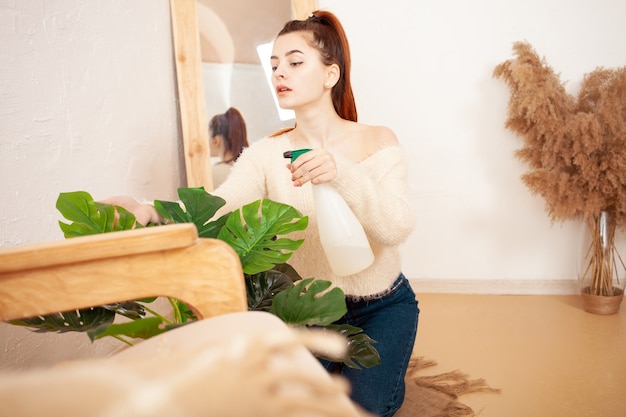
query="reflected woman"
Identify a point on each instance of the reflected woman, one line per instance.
(227, 139)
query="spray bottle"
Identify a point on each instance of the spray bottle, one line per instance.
(343, 239)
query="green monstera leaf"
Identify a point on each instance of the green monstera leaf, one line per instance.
(97, 322)
(262, 287)
(308, 303)
(143, 328)
(304, 304)
(90, 217)
(254, 233)
(199, 209)
(83, 320)
(361, 350)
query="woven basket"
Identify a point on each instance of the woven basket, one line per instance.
(600, 304)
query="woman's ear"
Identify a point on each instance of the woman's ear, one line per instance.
(215, 145)
(332, 76)
(216, 141)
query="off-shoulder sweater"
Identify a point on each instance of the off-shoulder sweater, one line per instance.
(375, 189)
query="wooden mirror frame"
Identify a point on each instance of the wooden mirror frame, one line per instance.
(193, 119)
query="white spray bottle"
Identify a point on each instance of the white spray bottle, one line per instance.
(343, 239)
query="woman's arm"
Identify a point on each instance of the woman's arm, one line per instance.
(245, 184)
(246, 181)
(144, 213)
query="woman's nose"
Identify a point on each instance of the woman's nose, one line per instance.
(278, 72)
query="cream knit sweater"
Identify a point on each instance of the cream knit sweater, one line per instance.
(375, 189)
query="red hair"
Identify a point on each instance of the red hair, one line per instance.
(232, 127)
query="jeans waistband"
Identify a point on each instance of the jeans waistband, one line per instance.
(392, 289)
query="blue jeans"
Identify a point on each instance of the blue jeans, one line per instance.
(391, 321)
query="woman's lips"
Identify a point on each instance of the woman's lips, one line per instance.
(282, 90)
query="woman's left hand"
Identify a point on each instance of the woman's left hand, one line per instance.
(316, 166)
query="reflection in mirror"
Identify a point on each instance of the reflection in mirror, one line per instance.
(231, 69)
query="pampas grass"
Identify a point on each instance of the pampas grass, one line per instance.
(574, 146)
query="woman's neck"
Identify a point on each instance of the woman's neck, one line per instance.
(227, 157)
(316, 130)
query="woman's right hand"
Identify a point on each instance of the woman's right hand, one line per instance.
(316, 166)
(144, 213)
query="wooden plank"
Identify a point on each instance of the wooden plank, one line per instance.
(207, 275)
(301, 9)
(89, 248)
(186, 37)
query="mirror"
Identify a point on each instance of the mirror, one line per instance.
(232, 71)
(218, 66)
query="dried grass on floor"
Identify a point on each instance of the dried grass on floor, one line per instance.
(438, 395)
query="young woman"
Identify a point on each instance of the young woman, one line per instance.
(227, 139)
(365, 164)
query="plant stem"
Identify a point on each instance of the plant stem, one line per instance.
(154, 313)
(178, 318)
(120, 338)
(602, 261)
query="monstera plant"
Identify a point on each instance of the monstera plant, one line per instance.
(257, 232)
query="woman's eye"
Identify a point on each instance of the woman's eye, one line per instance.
(295, 64)
(274, 68)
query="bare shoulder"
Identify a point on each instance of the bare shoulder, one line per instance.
(382, 136)
(375, 138)
(360, 141)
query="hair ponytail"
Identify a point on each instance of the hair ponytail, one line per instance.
(237, 134)
(232, 127)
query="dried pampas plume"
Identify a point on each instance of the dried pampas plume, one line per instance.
(575, 147)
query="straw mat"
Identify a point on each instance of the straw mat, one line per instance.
(438, 395)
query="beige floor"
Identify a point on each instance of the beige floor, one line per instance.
(549, 357)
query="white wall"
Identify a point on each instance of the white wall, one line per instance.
(425, 69)
(87, 102)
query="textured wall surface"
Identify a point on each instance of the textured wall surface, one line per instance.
(87, 102)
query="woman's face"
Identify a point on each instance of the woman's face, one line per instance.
(298, 72)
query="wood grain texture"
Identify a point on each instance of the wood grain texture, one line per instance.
(194, 125)
(301, 9)
(93, 270)
(86, 248)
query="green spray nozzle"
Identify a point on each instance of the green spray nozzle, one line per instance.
(295, 153)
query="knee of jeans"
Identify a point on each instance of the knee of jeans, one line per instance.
(388, 409)
(382, 401)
